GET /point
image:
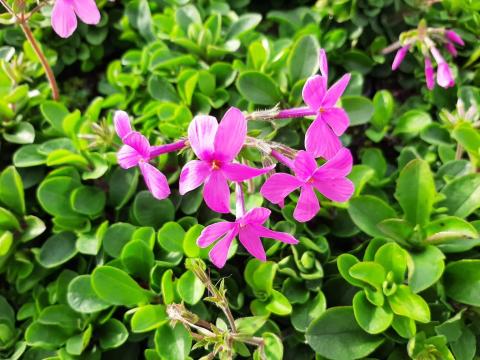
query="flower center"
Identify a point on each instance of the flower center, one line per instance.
(311, 180)
(215, 165)
(321, 110)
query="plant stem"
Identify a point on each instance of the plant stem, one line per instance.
(295, 113)
(41, 56)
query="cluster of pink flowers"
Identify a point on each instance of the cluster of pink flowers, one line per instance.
(217, 166)
(424, 40)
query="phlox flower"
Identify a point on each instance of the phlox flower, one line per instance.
(329, 179)
(216, 147)
(321, 138)
(136, 151)
(65, 12)
(249, 229)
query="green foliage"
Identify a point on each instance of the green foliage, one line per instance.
(92, 266)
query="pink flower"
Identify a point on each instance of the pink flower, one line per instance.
(444, 73)
(454, 37)
(321, 138)
(65, 12)
(451, 48)
(429, 74)
(249, 229)
(399, 56)
(216, 146)
(329, 179)
(136, 151)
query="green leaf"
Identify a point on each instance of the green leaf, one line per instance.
(412, 122)
(148, 317)
(405, 303)
(468, 137)
(451, 234)
(243, 24)
(368, 272)
(462, 195)
(373, 319)
(273, 349)
(54, 112)
(160, 89)
(149, 211)
(190, 288)
(117, 287)
(88, 200)
(82, 298)
(428, 266)
(303, 59)
(11, 190)
(121, 186)
(344, 264)
(336, 335)
(258, 88)
(173, 343)
(304, 314)
(250, 325)
(137, 258)
(46, 336)
(416, 191)
(383, 104)
(60, 315)
(112, 334)
(53, 194)
(359, 108)
(393, 258)
(27, 156)
(58, 249)
(368, 211)
(8, 221)
(278, 304)
(22, 133)
(116, 237)
(78, 343)
(462, 281)
(170, 237)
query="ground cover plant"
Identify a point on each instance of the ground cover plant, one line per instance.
(239, 179)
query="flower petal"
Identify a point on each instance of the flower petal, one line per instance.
(240, 172)
(193, 175)
(314, 91)
(230, 135)
(278, 186)
(139, 143)
(444, 75)
(156, 182)
(399, 56)
(320, 140)
(216, 192)
(218, 254)
(334, 93)
(213, 232)
(307, 205)
(277, 235)
(337, 119)
(338, 190)
(454, 37)
(304, 165)
(201, 135)
(255, 216)
(128, 157)
(87, 11)
(323, 63)
(122, 123)
(63, 18)
(251, 242)
(429, 74)
(338, 166)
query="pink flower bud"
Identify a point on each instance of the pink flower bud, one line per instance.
(399, 56)
(451, 49)
(454, 37)
(445, 76)
(429, 74)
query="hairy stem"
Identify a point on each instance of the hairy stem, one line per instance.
(43, 60)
